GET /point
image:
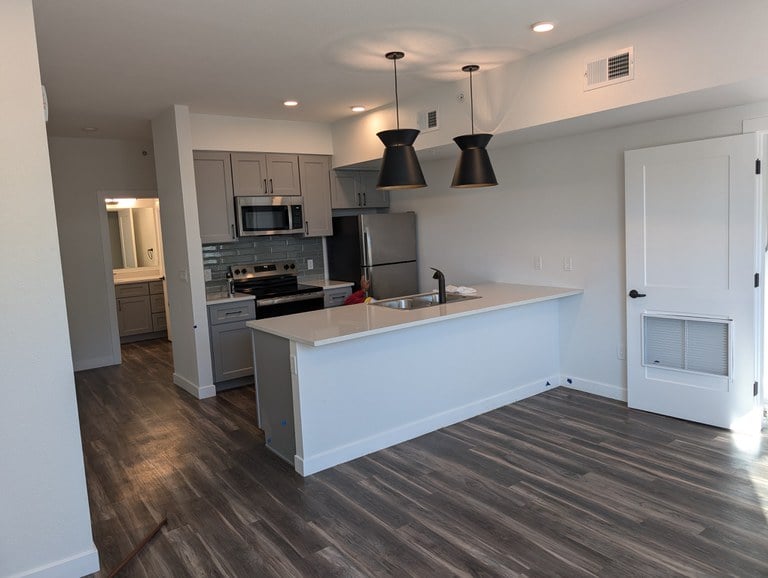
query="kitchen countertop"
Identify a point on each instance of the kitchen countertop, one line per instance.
(338, 324)
(224, 297)
(326, 283)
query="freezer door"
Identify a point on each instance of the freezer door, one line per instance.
(392, 280)
(388, 238)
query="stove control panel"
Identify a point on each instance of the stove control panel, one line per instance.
(252, 271)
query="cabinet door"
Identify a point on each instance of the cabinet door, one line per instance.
(316, 189)
(134, 315)
(371, 196)
(283, 175)
(215, 200)
(231, 348)
(345, 190)
(249, 174)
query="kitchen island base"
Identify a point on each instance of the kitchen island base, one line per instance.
(345, 399)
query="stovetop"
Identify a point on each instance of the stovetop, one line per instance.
(269, 279)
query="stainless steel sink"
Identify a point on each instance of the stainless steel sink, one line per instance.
(420, 301)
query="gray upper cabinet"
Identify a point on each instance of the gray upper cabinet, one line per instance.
(316, 188)
(357, 189)
(215, 199)
(256, 174)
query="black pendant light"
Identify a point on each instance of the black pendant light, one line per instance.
(474, 166)
(400, 168)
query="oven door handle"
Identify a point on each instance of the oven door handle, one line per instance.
(289, 299)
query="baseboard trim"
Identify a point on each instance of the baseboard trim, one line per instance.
(94, 362)
(608, 390)
(309, 465)
(200, 392)
(80, 564)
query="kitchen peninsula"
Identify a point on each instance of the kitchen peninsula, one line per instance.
(336, 384)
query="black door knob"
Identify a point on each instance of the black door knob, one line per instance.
(634, 294)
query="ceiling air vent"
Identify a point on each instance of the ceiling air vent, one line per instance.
(618, 67)
(428, 120)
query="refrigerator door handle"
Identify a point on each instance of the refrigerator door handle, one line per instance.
(367, 249)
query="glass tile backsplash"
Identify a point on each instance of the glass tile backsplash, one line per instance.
(219, 256)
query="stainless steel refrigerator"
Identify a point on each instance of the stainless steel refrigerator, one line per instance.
(381, 247)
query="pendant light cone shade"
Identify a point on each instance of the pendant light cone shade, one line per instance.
(473, 168)
(400, 167)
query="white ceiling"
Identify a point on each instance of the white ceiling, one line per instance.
(115, 64)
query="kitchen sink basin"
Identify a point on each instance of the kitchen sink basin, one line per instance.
(421, 301)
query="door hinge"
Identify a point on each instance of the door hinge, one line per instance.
(757, 166)
(754, 389)
(757, 279)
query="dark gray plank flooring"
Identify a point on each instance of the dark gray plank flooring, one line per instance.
(562, 484)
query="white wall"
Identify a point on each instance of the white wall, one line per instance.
(182, 248)
(81, 167)
(703, 50)
(229, 133)
(557, 198)
(44, 520)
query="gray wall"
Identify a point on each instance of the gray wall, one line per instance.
(80, 168)
(557, 198)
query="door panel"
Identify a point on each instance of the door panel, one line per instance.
(692, 252)
(392, 280)
(388, 238)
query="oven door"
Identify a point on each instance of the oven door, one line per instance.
(288, 304)
(269, 216)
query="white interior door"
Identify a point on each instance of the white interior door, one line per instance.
(692, 225)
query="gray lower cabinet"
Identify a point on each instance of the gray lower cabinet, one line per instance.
(335, 296)
(140, 310)
(357, 189)
(231, 353)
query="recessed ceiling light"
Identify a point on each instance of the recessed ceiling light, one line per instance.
(542, 27)
(357, 108)
(291, 103)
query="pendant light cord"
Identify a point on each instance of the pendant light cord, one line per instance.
(397, 102)
(471, 103)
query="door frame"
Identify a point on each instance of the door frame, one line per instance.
(106, 248)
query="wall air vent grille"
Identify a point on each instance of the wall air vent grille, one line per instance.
(618, 67)
(428, 120)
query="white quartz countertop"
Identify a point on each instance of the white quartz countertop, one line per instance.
(224, 297)
(326, 283)
(337, 324)
(128, 281)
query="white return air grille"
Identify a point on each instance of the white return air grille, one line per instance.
(618, 67)
(687, 344)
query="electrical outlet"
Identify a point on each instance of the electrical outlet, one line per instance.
(310, 264)
(567, 263)
(538, 263)
(621, 351)
(207, 274)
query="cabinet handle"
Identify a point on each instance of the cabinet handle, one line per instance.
(119, 305)
(266, 189)
(229, 313)
(271, 187)
(359, 200)
(233, 230)
(365, 201)
(306, 227)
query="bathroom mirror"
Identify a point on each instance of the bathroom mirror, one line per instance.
(134, 234)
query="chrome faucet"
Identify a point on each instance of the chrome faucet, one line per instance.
(441, 297)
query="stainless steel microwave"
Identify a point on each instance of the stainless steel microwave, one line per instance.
(269, 215)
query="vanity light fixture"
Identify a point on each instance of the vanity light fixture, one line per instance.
(400, 167)
(473, 168)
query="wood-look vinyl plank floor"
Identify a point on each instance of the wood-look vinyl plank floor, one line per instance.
(560, 484)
